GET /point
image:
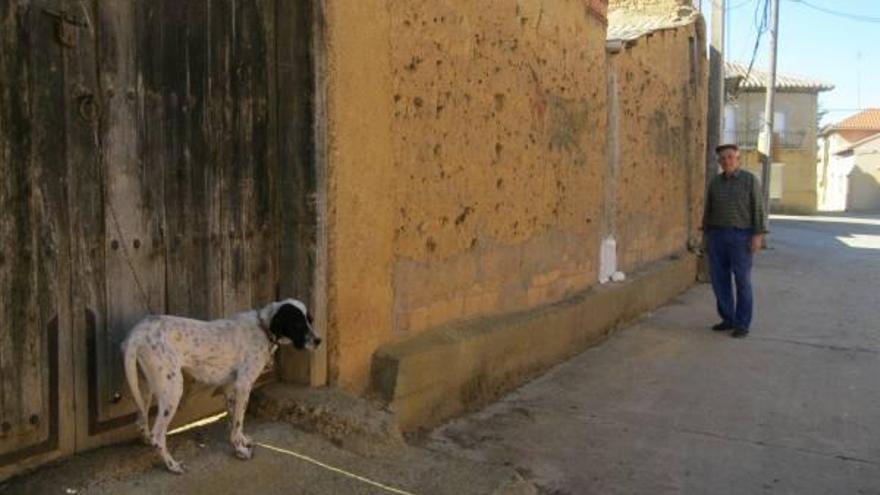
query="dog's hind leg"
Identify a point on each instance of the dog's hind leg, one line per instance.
(143, 420)
(168, 397)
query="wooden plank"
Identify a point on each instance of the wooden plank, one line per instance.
(236, 192)
(271, 233)
(16, 262)
(255, 45)
(296, 174)
(232, 152)
(191, 215)
(28, 341)
(135, 266)
(179, 74)
(52, 108)
(33, 222)
(86, 182)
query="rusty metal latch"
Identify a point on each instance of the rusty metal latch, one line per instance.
(65, 24)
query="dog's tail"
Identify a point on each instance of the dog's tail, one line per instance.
(130, 351)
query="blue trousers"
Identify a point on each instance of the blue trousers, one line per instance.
(730, 259)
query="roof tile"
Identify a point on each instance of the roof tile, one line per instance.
(757, 79)
(626, 25)
(866, 120)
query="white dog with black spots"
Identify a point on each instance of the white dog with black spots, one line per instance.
(230, 353)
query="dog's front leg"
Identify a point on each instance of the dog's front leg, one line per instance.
(243, 446)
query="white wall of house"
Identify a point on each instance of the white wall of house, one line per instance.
(836, 173)
(864, 178)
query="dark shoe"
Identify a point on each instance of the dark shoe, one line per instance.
(739, 333)
(722, 326)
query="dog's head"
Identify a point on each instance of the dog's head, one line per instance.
(291, 323)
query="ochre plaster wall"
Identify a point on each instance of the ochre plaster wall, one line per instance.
(358, 86)
(467, 161)
(662, 88)
(499, 155)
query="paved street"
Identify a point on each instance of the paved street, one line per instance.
(668, 406)
(665, 406)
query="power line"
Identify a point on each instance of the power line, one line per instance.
(761, 22)
(741, 4)
(731, 7)
(846, 15)
(745, 47)
(761, 27)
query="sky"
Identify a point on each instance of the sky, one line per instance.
(836, 49)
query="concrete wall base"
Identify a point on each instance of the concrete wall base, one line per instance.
(450, 369)
(349, 422)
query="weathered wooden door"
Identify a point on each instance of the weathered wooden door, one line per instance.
(35, 334)
(154, 159)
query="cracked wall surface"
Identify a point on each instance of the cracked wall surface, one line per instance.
(468, 162)
(498, 147)
(662, 85)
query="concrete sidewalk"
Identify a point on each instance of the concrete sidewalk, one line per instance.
(286, 461)
(668, 406)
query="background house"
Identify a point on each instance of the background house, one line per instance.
(848, 163)
(794, 182)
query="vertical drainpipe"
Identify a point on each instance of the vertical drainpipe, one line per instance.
(612, 48)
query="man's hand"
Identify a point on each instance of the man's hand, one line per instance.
(757, 243)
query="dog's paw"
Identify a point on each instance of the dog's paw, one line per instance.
(175, 467)
(244, 452)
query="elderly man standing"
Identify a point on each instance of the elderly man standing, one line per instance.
(734, 225)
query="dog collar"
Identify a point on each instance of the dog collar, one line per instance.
(265, 328)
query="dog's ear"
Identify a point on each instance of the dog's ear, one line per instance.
(282, 320)
(289, 325)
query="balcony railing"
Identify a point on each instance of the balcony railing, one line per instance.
(781, 140)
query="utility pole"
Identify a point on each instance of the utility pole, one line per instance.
(716, 88)
(716, 106)
(765, 142)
